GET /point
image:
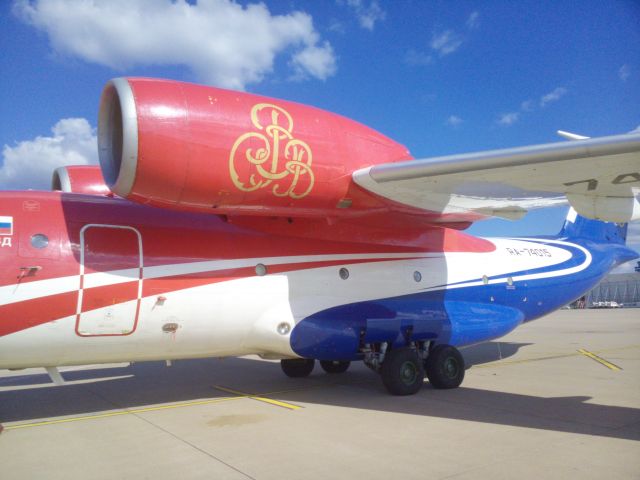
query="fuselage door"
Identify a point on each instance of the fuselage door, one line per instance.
(111, 276)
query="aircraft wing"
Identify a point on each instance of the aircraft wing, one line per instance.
(599, 177)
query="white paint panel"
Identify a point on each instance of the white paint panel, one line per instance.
(43, 288)
(241, 316)
(21, 292)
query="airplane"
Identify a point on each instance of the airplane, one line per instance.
(222, 223)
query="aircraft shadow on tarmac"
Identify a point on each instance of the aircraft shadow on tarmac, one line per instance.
(490, 352)
(151, 383)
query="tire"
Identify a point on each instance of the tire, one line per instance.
(334, 366)
(445, 367)
(297, 367)
(402, 372)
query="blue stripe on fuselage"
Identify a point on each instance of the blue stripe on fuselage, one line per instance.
(457, 316)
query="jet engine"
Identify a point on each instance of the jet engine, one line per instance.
(79, 179)
(198, 148)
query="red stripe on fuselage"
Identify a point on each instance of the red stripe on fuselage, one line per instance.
(22, 315)
(26, 314)
(175, 237)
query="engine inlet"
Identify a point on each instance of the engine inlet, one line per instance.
(118, 136)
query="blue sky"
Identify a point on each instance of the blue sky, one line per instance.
(440, 77)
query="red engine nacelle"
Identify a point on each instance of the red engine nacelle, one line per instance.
(193, 147)
(79, 179)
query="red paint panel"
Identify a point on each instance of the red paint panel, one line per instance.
(20, 316)
(27, 314)
(157, 286)
(174, 237)
(454, 241)
(98, 297)
(107, 249)
(202, 148)
(85, 179)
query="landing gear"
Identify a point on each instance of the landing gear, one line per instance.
(403, 368)
(445, 367)
(297, 367)
(402, 371)
(334, 366)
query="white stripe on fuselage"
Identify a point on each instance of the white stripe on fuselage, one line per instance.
(21, 292)
(463, 269)
(463, 272)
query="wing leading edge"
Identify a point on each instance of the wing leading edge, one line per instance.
(599, 177)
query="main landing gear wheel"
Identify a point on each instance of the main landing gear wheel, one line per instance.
(445, 367)
(334, 366)
(402, 371)
(297, 367)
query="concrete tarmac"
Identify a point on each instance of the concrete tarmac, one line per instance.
(557, 398)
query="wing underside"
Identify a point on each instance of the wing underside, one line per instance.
(599, 177)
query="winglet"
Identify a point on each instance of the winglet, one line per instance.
(571, 136)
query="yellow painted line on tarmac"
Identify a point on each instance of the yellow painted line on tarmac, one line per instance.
(119, 413)
(600, 360)
(259, 398)
(497, 363)
(238, 396)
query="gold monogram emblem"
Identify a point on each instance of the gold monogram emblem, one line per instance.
(272, 159)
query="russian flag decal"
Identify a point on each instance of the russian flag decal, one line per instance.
(6, 225)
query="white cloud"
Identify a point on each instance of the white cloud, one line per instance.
(30, 163)
(446, 42)
(552, 96)
(337, 26)
(315, 61)
(367, 13)
(416, 58)
(526, 106)
(473, 21)
(442, 43)
(220, 41)
(508, 119)
(624, 72)
(453, 121)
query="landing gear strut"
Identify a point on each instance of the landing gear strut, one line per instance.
(297, 367)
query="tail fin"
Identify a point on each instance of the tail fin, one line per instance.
(596, 230)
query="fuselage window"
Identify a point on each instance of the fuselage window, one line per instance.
(39, 240)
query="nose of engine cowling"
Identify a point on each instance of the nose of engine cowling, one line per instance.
(118, 136)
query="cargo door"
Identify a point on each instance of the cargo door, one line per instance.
(111, 267)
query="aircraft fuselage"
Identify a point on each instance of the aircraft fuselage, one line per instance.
(88, 279)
